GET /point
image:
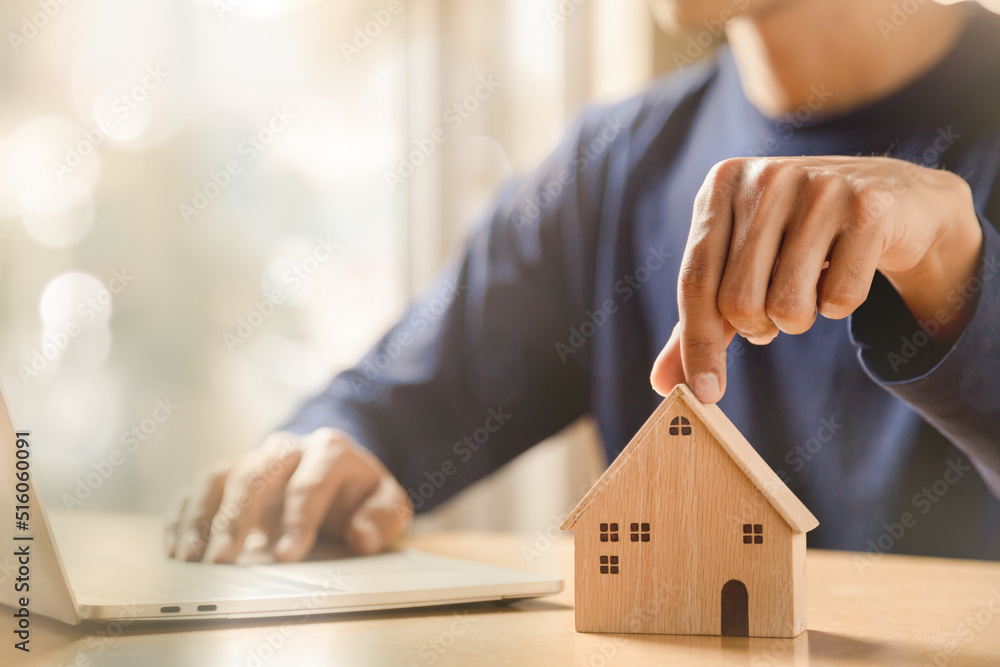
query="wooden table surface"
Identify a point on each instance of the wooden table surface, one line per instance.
(897, 610)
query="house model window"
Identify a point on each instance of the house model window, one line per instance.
(640, 532)
(753, 533)
(609, 564)
(680, 426)
(609, 532)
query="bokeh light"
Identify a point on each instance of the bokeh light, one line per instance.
(75, 297)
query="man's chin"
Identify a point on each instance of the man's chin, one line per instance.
(684, 15)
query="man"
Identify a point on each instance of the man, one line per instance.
(844, 309)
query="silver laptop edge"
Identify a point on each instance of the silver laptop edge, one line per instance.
(35, 580)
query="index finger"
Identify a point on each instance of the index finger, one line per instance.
(200, 506)
(704, 333)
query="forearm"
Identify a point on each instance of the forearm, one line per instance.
(448, 397)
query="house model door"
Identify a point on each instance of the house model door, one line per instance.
(735, 609)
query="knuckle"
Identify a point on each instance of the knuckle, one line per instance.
(240, 524)
(837, 303)
(301, 516)
(728, 170)
(769, 171)
(868, 207)
(788, 306)
(249, 477)
(828, 193)
(392, 512)
(281, 444)
(243, 489)
(399, 496)
(720, 182)
(697, 279)
(853, 280)
(326, 435)
(232, 523)
(962, 187)
(336, 448)
(304, 504)
(396, 515)
(740, 307)
(334, 444)
(779, 175)
(305, 489)
(403, 510)
(844, 297)
(698, 348)
(832, 190)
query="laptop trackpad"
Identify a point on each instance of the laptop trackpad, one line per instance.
(111, 581)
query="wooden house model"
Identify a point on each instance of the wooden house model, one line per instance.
(690, 532)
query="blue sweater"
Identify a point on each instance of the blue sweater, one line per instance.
(566, 292)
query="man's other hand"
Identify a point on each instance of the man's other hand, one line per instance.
(293, 488)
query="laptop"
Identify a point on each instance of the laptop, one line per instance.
(112, 567)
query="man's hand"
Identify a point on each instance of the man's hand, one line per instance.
(776, 241)
(293, 488)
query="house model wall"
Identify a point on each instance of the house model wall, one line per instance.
(690, 532)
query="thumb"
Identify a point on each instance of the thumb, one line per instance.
(381, 519)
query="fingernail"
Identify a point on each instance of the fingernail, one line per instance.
(190, 545)
(652, 383)
(706, 387)
(369, 537)
(219, 547)
(762, 340)
(170, 544)
(285, 546)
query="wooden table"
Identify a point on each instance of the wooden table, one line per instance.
(897, 611)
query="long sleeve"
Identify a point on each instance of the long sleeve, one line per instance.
(471, 376)
(957, 390)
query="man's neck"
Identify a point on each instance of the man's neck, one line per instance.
(850, 48)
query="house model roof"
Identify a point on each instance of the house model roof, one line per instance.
(791, 509)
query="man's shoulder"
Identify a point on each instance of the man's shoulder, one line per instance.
(600, 153)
